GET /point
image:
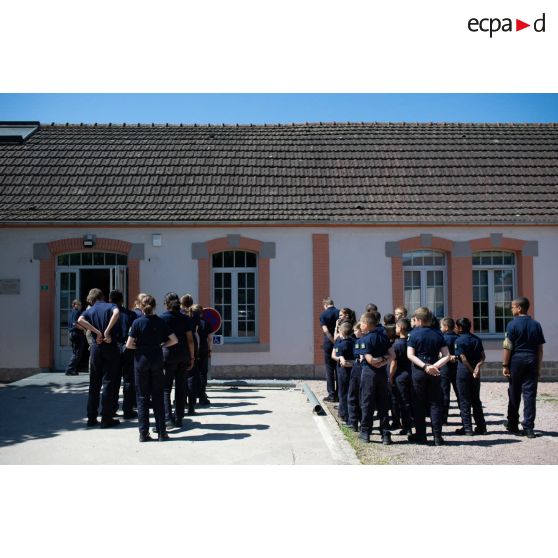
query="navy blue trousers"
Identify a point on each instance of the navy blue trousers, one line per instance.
(353, 395)
(523, 381)
(125, 376)
(175, 372)
(427, 393)
(374, 395)
(343, 381)
(150, 384)
(448, 378)
(105, 366)
(78, 347)
(469, 396)
(330, 366)
(402, 389)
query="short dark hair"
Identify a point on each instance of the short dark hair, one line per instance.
(371, 307)
(116, 297)
(522, 302)
(327, 301)
(389, 319)
(404, 324)
(464, 324)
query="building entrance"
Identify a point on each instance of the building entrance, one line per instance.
(76, 275)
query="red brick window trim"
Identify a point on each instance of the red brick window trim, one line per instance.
(204, 251)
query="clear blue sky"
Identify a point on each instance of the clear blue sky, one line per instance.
(275, 108)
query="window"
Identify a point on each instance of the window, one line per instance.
(91, 258)
(424, 281)
(493, 291)
(234, 293)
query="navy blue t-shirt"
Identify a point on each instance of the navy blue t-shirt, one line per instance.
(401, 358)
(137, 312)
(99, 316)
(449, 338)
(125, 320)
(74, 315)
(469, 345)
(344, 348)
(376, 344)
(204, 331)
(427, 343)
(150, 332)
(329, 318)
(525, 335)
(359, 348)
(179, 324)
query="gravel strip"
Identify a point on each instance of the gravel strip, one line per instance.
(496, 448)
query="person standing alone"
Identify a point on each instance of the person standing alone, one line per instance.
(328, 321)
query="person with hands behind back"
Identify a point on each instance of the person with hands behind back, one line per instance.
(470, 357)
(148, 336)
(100, 318)
(424, 346)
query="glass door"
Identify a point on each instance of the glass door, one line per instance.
(67, 282)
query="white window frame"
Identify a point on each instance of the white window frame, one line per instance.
(234, 271)
(491, 268)
(423, 269)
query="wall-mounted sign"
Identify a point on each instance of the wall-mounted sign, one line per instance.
(44, 287)
(218, 340)
(9, 286)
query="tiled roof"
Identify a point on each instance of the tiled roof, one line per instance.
(304, 173)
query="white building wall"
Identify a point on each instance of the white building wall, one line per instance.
(359, 273)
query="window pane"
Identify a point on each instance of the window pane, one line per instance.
(227, 280)
(242, 280)
(218, 259)
(64, 259)
(227, 298)
(218, 278)
(250, 312)
(242, 296)
(121, 259)
(64, 281)
(87, 258)
(227, 329)
(250, 259)
(241, 329)
(110, 259)
(73, 277)
(240, 259)
(98, 258)
(228, 259)
(250, 329)
(251, 296)
(64, 337)
(75, 259)
(251, 280)
(218, 297)
(227, 312)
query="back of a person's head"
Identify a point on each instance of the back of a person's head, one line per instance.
(402, 310)
(404, 325)
(523, 303)
(377, 315)
(186, 300)
(369, 318)
(464, 324)
(327, 301)
(449, 323)
(95, 295)
(371, 307)
(172, 302)
(148, 304)
(137, 301)
(116, 297)
(345, 329)
(424, 315)
(389, 319)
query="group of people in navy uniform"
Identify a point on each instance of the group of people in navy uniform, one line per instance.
(404, 369)
(148, 354)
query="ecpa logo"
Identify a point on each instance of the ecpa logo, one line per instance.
(494, 25)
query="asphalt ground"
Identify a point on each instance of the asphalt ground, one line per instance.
(498, 447)
(42, 421)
